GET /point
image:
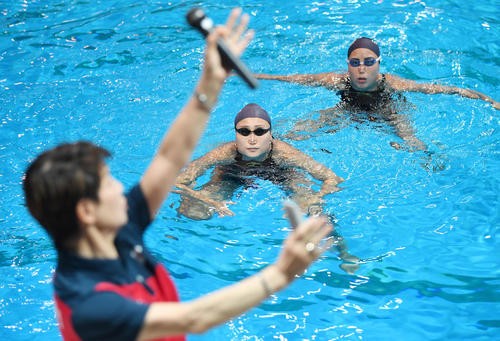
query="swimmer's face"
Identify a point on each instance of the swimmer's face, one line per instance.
(363, 78)
(253, 147)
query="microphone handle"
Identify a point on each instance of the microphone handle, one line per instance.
(197, 18)
(230, 61)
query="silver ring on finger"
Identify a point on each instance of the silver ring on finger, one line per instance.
(310, 247)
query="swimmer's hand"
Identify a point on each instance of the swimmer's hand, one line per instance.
(477, 95)
(221, 207)
(412, 145)
(311, 204)
(350, 263)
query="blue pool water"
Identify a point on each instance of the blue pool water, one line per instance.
(117, 72)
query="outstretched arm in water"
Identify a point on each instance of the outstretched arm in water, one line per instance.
(330, 80)
(335, 81)
(402, 84)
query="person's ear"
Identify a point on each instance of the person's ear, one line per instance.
(85, 211)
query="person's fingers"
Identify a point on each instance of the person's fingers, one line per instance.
(243, 43)
(237, 32)
(315, 230)
(233, 17)
(223, 210)
(225, 213)
(318, 239)
(308, 237)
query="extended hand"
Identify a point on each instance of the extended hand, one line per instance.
(303, 246)
(221, 208)
(234, 35)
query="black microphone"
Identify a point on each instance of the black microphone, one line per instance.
(197, 18)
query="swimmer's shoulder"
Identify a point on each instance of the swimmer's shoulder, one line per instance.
(227, 150)
(221, 154)
(283, 150)
(398, 83)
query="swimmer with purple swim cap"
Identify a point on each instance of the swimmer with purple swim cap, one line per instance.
(363, 89)
(252, 110)
(255, 154)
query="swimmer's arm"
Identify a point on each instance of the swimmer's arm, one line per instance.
(327, 79)
(219, 206)
(185, 181)
(403, 84)
(296, 158)
(405, 132)
(196, 168)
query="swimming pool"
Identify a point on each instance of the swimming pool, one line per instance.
(116, 72)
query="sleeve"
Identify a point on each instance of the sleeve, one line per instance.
(109, 316)
(138, 210)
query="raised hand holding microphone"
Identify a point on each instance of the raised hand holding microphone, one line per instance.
(197, 18)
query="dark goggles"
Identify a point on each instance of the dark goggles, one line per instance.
(257, 132)
(370, 61)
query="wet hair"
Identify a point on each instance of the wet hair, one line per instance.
(364, 43)
(57, 180)
(252, 110)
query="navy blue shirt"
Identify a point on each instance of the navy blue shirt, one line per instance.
(107, 299)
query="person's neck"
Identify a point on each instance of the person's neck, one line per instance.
(96, 243)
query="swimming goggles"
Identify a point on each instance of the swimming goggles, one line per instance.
(370, 61)
(257, 132)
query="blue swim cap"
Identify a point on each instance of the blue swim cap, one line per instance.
(364, 43)
(252, 110)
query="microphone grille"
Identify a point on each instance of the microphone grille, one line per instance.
(195, 16)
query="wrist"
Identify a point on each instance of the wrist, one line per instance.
(272, 279)
(204, 101)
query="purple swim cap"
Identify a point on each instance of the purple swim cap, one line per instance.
(252, 110)
(364, 43)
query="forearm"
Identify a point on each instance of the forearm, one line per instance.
(320, 79)
(186, 190)
(185, 132)
(177, 146)
(197, 316)
(408, 135)
(330, 186)
(234, 300)
(445, 89)
(190, 174)
(404, 130)
(477, 95)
